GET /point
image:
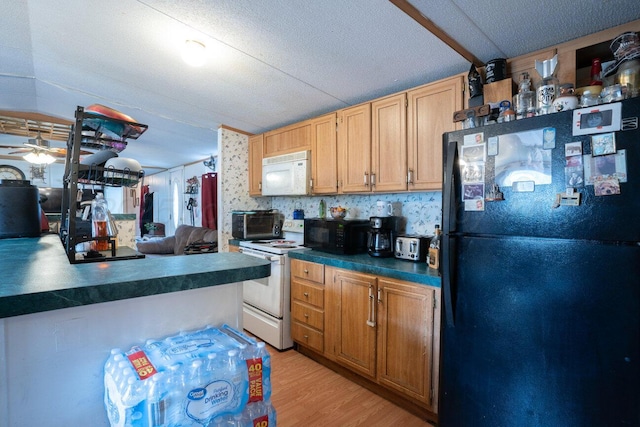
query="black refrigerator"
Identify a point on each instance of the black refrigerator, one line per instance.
(541, 274)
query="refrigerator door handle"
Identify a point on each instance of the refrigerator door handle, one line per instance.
(449, 226)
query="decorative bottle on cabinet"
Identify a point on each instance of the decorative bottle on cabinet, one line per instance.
(547, 88)
(525, 100)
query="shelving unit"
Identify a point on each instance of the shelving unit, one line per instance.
(94, 131)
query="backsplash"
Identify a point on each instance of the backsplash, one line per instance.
(422, 211)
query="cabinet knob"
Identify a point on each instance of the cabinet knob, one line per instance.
(306, 337)
(306, 315)
(306, 294)
(306, 271)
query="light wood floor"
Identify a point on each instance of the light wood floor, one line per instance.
(306, 393)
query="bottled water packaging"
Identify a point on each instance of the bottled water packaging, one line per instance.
(216, 376)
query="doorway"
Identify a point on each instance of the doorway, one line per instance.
(176, 205)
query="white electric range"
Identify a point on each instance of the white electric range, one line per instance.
(266, 302)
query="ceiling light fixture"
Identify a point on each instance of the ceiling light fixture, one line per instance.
(39, 158)
(194, 53)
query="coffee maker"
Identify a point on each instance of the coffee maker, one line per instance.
(382, 233)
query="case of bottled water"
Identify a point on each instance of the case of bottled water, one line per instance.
(216, 376)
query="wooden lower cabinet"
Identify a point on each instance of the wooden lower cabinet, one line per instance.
(307, 304)
(384, 330)
(406, 339)
(351, 311)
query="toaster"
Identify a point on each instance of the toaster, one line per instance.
(413, 248)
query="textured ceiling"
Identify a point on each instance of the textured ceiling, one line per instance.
(269, 63)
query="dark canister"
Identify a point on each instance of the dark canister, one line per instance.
(495, 70)
(19, 209)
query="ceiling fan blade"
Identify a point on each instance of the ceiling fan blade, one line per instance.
(35, 146)
(56, 152)
(22, 150)
(62, 152)
(17, 147)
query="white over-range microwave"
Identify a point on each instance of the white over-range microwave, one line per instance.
(286, 175)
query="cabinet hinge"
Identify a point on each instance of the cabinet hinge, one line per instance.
(406, 103)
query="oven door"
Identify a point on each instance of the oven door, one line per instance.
(267, 294)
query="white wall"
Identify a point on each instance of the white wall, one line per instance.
(160, 185)
(197, 170)
(52, 176)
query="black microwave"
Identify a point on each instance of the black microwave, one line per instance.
(337, 236)
(248, 225)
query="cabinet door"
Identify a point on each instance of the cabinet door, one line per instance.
(430, 114)
(352, 312)
(255, 164)
(324, 155)
(354, 148)
(296, 137)
(389, 143)
(406, 338)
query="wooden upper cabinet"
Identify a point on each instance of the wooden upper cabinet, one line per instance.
(354, 148)
(324, 154)
(289, 139)
(255, 164)
(389, 143)
(430, 114)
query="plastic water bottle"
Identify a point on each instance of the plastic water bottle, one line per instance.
(120, 372)
(133, 392)
(155, 405)
(258, 363)
(218, 421)
(176, 394)
(111, 365)
(271, 413)
(99, 219)
(262, 414)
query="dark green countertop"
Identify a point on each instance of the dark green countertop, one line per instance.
(36, 275)
(417, 272)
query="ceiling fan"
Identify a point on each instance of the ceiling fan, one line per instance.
(38, 151)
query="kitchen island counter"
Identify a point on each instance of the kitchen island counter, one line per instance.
(37, 276)
(59, 321)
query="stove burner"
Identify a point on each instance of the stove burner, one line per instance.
(272, 246)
